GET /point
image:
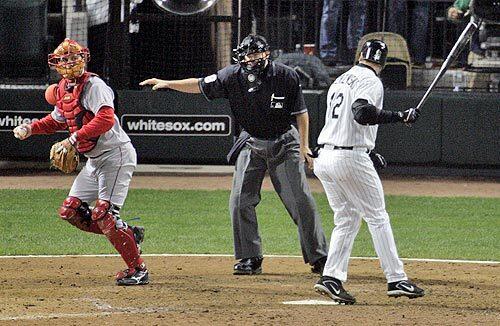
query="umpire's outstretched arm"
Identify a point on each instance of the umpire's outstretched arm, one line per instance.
(189, 85)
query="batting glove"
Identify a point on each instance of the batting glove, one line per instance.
(410, 115)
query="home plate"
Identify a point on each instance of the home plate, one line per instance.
(312, 302)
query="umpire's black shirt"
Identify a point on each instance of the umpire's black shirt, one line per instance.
(265, 113)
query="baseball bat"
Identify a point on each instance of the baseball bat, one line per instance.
(472, 26)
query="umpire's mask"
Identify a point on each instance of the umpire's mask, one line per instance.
(253, 56)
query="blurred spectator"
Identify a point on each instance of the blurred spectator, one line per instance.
(412, 22)
(330, 30)
(459, 14)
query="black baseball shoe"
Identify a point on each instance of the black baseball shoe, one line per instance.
(318, 266)
(132, 277)
(138, 236)
(333, 288)
(404, 288)
(248, 266)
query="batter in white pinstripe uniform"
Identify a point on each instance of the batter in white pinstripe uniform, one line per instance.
(348, 175)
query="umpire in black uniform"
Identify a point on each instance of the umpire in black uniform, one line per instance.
(264, 97)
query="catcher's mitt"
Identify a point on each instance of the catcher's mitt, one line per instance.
(64, 157)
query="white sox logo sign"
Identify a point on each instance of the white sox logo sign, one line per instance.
(176, 125)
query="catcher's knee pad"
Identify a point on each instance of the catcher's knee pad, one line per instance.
(101, 213)
(73, 207)
(78, 214)
(101, 209)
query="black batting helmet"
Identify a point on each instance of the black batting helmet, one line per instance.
(374, 51)
(251, 44)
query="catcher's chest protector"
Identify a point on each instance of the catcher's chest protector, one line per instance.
(69, 106)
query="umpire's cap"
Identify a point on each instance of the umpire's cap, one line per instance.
(374, 51)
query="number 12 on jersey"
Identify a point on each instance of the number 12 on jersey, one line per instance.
(336, 101)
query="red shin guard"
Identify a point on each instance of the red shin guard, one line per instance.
(124, 243)
(122, 239)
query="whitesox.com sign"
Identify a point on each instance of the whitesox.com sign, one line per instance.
(176, 125)
(11, 119)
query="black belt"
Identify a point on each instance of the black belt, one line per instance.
(348, 148)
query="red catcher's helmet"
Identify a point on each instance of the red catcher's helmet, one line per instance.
(69, 59)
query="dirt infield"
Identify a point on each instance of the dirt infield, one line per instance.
(202, 290)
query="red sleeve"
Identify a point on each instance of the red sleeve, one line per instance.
(46, 125)
(102, 122)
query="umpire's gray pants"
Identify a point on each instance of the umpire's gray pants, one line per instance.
(281, 157)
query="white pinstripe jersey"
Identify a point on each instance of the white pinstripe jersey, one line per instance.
(340, 127)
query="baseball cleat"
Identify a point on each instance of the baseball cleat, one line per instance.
(404, 289)
(138, 236)
(248, 266)
(333, 288)
(132, 277)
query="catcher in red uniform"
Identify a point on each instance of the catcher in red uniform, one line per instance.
(84, 105)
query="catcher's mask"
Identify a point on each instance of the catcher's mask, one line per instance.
(252, 54)
(69, 59)
(374, 51)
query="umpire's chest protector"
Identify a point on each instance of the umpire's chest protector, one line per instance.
(69, 106)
